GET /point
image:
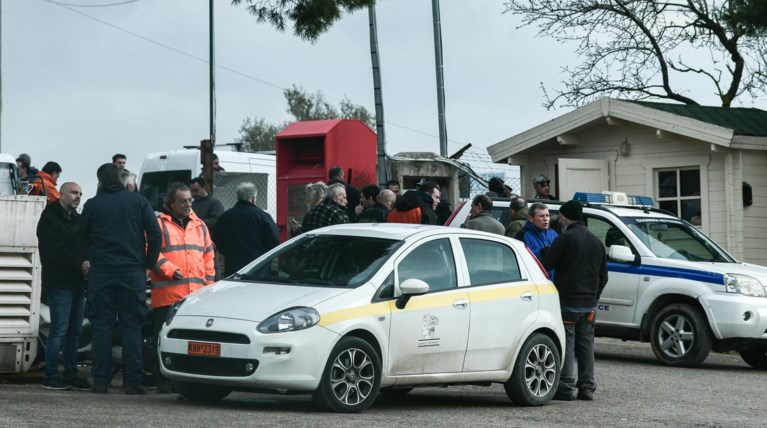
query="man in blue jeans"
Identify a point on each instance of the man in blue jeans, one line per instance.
(62, 254)
(580, 264)
(123, 242)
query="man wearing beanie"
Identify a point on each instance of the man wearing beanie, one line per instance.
(580, 264)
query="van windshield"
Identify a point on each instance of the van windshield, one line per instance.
(675, 239)
(154, 185)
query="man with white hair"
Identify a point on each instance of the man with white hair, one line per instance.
(332, 209)
(245, 231)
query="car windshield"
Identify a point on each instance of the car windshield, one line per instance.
(323, 261)
(675, 239)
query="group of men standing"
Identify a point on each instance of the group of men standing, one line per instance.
(343, 203)
(114, 247)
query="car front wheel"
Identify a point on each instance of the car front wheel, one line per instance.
(680, 336)
(200, 391)
(756, 358)
(351, 377)
(536, 372)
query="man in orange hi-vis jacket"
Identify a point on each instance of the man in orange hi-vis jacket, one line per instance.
(186, 259)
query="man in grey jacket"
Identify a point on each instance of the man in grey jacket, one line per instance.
(481, 216)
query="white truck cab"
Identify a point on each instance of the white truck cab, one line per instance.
(162, 168)
(668, 283)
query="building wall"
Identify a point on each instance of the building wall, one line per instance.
(633, 172)
(754, 224)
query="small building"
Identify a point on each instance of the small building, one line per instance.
(708, 165)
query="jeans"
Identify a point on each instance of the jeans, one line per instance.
(579, 333)
(112, 296)
(66, 308)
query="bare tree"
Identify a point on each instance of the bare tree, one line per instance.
(640, 49)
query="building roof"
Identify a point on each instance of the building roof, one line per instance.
(743, 121)
(737, 128)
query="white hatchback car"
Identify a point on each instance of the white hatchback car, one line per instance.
(347, 311)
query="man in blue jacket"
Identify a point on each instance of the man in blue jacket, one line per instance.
(123, 242)
(536, 233)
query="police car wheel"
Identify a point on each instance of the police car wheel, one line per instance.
(200, 392)
(756, 358)
(680, 335)
(536, 372)
(351, 377)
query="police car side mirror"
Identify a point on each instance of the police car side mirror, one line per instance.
(411, 287)
(621, 253)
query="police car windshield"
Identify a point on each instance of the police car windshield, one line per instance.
(675, 239)
(324, 261)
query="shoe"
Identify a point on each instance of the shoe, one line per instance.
(564, 395)
(135, 390)
(56, 383)
(585, 394)
(99, 389)
(163, 387)
(80, 384)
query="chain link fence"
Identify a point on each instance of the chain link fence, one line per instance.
(481, 163)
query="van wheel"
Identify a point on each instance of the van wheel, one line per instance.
(536, 372)
(351, 377)
(200, 391)
(680, 336)
(756, 358)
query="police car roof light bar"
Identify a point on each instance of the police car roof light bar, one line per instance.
(612, 198)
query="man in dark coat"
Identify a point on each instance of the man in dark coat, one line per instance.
(378, 212)
(336, 175)
(580, 264)
(123, 242)
(245, 231)
(62, 254)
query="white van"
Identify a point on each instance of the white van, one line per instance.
(162, 168)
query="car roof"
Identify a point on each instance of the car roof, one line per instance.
(618, 210)
(398, 231)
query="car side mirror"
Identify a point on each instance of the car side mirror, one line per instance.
(621, 253)
(410, 287)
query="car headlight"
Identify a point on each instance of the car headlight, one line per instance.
(744, 284)
(172, 311)
(292, 319)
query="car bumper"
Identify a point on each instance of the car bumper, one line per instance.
(291, 361)
(736, 316)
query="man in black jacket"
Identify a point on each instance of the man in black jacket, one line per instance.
(245, 231)
(62, 254)
(123, 242)
(580, 264)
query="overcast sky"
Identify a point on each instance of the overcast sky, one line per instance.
(77, 89)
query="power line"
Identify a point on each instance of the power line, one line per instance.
(203, 60)
(91, 5)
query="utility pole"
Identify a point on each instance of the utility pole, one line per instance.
(440, 78)
(207, 146)
(1, 76)
(381, 171)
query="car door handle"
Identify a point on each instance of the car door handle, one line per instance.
(527, 297)
(461, 304)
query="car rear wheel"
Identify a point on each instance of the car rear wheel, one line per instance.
(680, 336)
(536, 372)
(351, 377)
(756, 358)
(200, 391)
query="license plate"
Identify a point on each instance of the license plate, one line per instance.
(202, 348)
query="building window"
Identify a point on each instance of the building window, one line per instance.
(679, 192)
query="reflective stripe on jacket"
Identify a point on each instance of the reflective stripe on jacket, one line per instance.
(189, 250)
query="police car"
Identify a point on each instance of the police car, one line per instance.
(669, 284)
(347, 311)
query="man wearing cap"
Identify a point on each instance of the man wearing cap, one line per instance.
(541, 184)
(579, 260)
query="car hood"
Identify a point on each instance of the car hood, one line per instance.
(756, 271)
(252, 301)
